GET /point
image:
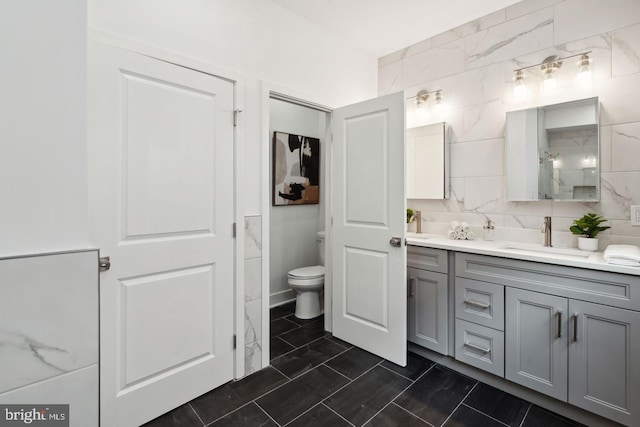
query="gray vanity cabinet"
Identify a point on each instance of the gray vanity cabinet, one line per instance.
(575, 351)
(536, 341)
(427, 298)
(570, 333)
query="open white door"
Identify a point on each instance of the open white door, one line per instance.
(369, 255)
(161, 207)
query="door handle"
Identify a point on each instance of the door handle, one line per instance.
(410, 286)
(396, 242)
(575, 327)
(559, 314)
(104, 263)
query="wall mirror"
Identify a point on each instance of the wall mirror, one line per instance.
(428, 162)
(552, 152)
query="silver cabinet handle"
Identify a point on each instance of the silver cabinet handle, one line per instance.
(559, 314)
(477, 303)
(575, 327)
(410, 286)
(396, 242)
(477, 347)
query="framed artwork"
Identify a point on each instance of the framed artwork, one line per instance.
(296, 169)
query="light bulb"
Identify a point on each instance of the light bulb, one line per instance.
(519, 88)
(550, 84)
(584, 71)
(421, 114)
(438, 107)
(549, 67)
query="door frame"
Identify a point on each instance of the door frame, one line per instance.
(270, 90)
(238, 166)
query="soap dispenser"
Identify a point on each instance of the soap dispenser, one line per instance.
(487, 230)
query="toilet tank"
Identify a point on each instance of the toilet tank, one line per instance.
(320, 240)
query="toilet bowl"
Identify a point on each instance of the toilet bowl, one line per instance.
(308, 284)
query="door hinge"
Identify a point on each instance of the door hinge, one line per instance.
(234, 230)
(104, 263)
(235, 117)
(235, 342)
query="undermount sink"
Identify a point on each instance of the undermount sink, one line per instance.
(544, 250)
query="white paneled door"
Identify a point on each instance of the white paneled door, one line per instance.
(161, 207)
(369, 253)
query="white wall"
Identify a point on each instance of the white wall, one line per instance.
(43, 189)
(293, 228)
(256, 38)
(474, 65)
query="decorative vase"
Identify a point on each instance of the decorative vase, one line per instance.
(587, 244)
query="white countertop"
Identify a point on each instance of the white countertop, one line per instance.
(571, 257)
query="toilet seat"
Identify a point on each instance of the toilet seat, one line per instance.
(313, 272)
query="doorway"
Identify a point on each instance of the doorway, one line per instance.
(293, 229)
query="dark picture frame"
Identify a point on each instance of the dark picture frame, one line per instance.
(295, 178)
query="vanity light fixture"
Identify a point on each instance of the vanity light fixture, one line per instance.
(423, 97)
(427, 102)
(549, 68)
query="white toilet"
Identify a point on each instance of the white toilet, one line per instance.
(308, 283)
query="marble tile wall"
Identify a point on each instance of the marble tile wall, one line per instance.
(253, 294)
(473, 64)
(49, 332)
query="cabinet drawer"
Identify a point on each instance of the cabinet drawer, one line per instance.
(480, 346)
(427, 259)
(614, 289)
(480, 302)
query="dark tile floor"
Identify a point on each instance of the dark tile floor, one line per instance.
(318, 380)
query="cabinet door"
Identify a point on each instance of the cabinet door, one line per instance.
(604, 371)
(428, 309)
(536, 341)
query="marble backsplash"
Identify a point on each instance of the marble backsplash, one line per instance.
(473, 66)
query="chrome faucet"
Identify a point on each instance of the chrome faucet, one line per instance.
(418, 222)
(546, 229)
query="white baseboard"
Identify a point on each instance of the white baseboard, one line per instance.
(282, 297)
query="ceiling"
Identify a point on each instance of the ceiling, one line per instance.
(380, 27)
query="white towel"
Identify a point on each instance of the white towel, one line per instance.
(452, 235)
(471, 235)
(465, 227)
(628, 255)
(456, 226)
(461, 235)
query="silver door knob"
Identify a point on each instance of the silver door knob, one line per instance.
(104, 263)
(396, 242)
